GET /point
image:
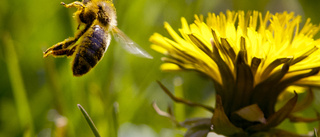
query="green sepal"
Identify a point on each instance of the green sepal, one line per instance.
(244, 84)
(273, 65)
(228, 48)
(197, 127)
(306, 102)
(288, 81)
(276, 118)
(227, 76)
(283, 84)
(255, 62)
(303, 56)
(293, 118)
(276, 133)
(315, 133)
(221, 123)
(261, 92)
(252, 113)
(199, 44)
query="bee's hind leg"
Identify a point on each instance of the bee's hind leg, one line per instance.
(59, 52)
(61, 48)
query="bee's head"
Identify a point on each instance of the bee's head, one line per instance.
(85, 1)
(107, 13)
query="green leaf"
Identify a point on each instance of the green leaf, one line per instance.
(89, 121)
(220, 121)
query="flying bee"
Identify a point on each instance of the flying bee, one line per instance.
(96, 19)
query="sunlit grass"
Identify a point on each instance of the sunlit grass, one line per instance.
(19, 92)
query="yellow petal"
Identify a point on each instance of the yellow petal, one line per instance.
(169, 67)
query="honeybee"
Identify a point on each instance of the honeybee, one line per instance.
(96, 19)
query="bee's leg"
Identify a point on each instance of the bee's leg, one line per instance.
(66, 43)
(60, 52)
(76, 4)
(59, 46)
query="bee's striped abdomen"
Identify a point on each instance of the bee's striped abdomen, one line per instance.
(91, 50)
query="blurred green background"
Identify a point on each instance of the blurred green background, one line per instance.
(39, 96)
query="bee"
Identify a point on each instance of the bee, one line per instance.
(96, 19)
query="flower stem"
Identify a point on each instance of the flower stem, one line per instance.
(187, 102)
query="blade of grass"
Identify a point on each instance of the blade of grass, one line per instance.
(89, 121)
(115, 112)
(18, 89)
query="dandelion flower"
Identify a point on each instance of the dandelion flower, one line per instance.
(251, 58)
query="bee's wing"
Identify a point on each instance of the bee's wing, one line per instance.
(128, 44)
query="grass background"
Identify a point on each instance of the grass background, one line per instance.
(39, 96)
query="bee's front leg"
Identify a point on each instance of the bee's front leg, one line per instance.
(76, 4)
